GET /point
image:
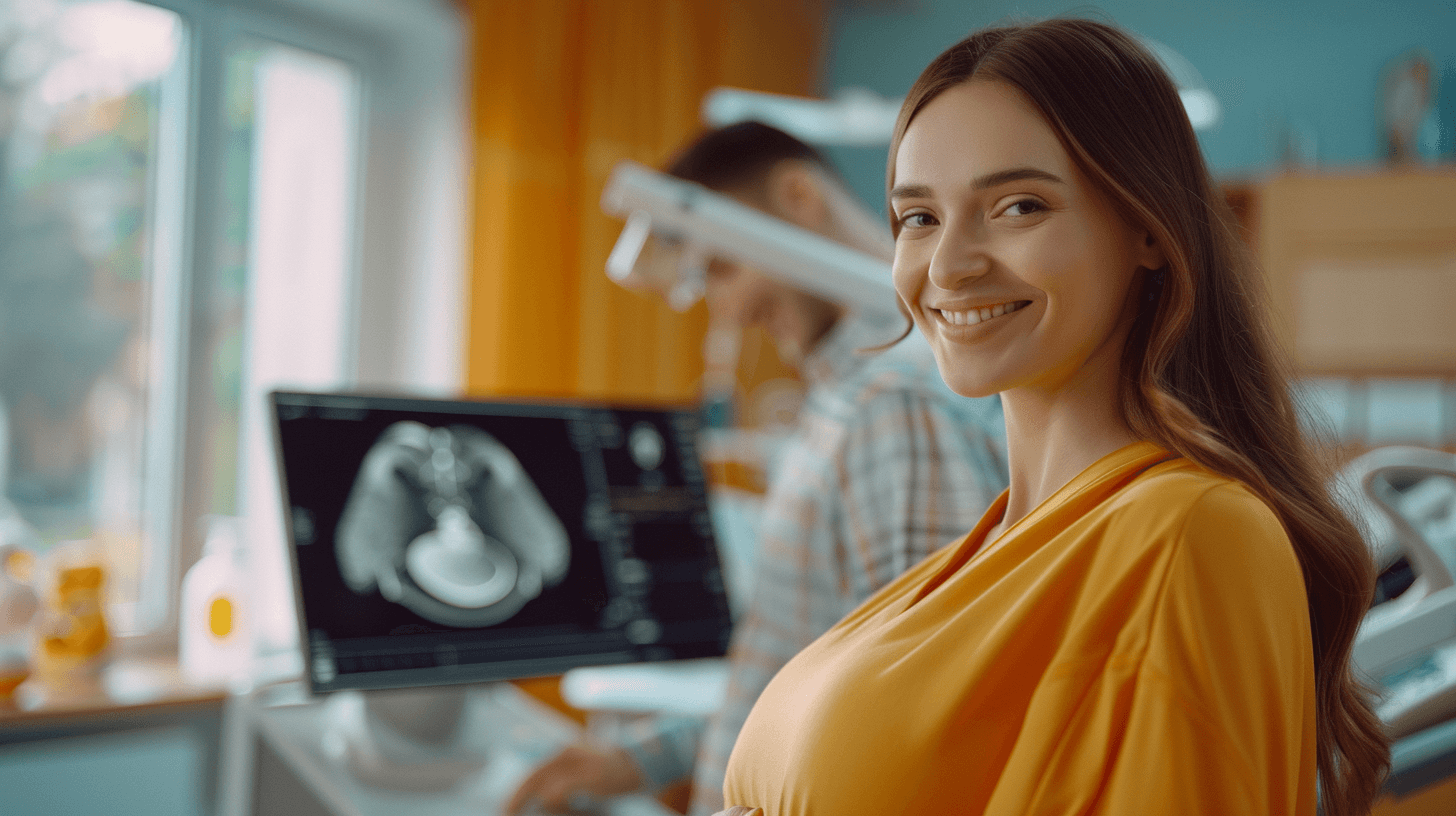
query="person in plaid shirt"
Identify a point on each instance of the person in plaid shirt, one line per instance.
(886, 466)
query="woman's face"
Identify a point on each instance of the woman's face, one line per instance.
(1014, 266)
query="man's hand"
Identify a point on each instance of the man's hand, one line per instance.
(580, 774)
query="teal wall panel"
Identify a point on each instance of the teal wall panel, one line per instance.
(136, 773)
(1280, 68)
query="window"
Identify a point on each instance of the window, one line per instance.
(185, 195)
(89, 85)
(285, 294)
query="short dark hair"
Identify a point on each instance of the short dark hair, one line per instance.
(740, 155)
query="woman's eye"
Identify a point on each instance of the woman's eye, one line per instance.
(919, 219)
(1025, 206)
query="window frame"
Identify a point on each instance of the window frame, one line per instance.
(403, 293)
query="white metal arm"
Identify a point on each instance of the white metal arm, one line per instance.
(710, 224)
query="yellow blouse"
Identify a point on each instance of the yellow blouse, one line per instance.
(1138, 644)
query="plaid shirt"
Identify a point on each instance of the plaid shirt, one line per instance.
(887, 466)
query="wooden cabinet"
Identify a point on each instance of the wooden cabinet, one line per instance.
(1362, 271)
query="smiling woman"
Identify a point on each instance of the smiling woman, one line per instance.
(995, 220)
(1157, 616)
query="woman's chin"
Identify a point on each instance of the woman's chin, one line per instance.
(968, 387)
(963, 379)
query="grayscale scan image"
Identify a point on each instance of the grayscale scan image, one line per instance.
(445, 522)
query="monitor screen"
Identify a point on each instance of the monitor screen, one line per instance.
(443, 542)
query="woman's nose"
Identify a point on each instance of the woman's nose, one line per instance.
(960, 256)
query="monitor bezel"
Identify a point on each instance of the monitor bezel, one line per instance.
(392, 679)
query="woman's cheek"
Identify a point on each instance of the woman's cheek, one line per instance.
(906, 281)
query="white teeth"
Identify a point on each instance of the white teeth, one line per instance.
(973, 316)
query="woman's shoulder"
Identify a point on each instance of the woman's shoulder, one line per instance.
(1179, 491)
(1211, 522)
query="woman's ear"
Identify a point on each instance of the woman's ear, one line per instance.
(794, 195)
(1150, 253)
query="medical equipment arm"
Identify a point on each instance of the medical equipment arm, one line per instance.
(710, 224)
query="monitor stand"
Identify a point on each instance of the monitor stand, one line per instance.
(402, 739)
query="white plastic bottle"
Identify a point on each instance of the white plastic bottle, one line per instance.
(215, 637)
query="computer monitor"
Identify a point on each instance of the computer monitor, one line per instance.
(438, 542)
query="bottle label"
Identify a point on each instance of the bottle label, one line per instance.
(220, 617)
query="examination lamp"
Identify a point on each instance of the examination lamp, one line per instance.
(675, 227)
(861, 117)
(854, 116)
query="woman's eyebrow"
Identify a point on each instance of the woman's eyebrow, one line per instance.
(985, 182)
(910, 191)
(1013, 174)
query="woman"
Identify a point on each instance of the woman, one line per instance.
(1157, 616)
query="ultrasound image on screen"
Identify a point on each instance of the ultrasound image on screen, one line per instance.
(445, 522)
(440, 542)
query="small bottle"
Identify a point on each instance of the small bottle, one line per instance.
(70, 640)
(18, 605)
(215, 637)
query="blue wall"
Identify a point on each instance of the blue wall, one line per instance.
(1276, 66)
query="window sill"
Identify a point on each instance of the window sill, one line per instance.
(126, 692)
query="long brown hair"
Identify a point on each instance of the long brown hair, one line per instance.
(1201, 374)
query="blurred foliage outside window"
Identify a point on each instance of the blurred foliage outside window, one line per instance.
(79, 102)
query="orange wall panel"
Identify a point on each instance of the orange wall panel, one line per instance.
(561, 91)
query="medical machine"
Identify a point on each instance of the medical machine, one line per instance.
(861, 117)
(1406, 499)
(438, 542)
(674, 228)
(852, 116)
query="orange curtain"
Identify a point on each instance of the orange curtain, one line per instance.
(561, 91)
